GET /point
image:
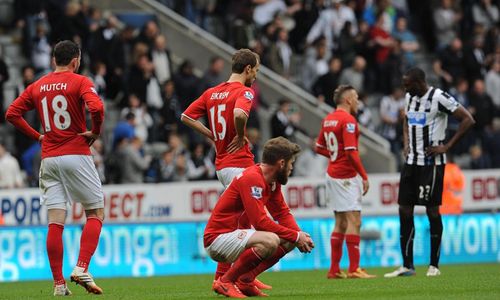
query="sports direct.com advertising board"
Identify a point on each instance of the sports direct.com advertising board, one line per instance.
(157, 229)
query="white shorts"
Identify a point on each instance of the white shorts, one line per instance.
(344, 194)
(68, 178)
(226, 175)
(227, 247)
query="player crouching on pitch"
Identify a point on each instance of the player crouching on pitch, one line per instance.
(240, 231)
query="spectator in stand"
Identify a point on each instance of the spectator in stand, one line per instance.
(309, 163)
(97, 151)
(409, 43)
(354, 75)
(266, 10)
(460, 93)
(143, 120)
(482, 107)
(186, 84)
(446, 21)
(474, 60)
(485, 13)
(385, 8)
(491, 143)
(492, 82)
(316, 63)
(364, 113)
(392, 70)
(449, 65)
(30, 162)
(124, 130)
(285, 120)
(140, 75)
(160, 56)
(170, 112)
(280, 53)
(453, 188)
(199, 164)
(390, 112)
(148, 34)
(330, 23)
(98, 76)
(133, 164)
(304, 20)
(10, 173)
(383, 44)
(41, 51)
(479, 159)
(4, 77)
(213, 75)
(324, 86)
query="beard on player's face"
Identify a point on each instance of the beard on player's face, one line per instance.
(282, 176)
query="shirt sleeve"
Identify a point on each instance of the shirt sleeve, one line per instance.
(251, 192)
(349, 130)
(447, 103)
(94, 104)
(280, 211)
(18, 108)
(196, 109)
(244, 101)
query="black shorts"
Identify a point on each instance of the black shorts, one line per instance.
(421, 185)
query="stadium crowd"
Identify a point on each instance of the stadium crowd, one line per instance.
(317, 44)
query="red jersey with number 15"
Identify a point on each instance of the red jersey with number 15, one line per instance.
(339, 132)
(218, 103)
(60, 100)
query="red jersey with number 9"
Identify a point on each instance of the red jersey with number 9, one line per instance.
(60, 100)
(339, 133)
(218, 103)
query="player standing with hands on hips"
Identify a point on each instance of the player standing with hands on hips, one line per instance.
(427, 109)
(227, 107)
(338, 141)
(67, 171)
(240, 230)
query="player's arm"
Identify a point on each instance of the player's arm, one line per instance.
(254, 208)
(191, 115)
(17, 109)
(241, 112)
(96, 108)
(349, 130)
(406, 146)
(449, 105)
(321, 144)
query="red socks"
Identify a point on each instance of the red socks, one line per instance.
(55, 251)
(247, 261)
(336, 242)
(264, 265)
(89, 241)
(221, 269)
(352, 242)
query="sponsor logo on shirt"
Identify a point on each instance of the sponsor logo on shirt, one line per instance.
(416, 118)
(330, 123)
(256, 192)
(248, 95)
(351, 127)
(242, 235)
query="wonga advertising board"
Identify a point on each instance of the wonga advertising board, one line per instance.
(193, 201)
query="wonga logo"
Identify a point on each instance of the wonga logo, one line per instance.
(416, 118)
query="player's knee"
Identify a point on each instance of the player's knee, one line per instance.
(341, 225)
(271, 243)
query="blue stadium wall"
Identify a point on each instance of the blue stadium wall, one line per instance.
(176, 248)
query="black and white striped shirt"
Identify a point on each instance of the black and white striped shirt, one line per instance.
(427, 118)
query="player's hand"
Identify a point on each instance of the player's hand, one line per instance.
(305, 244)
(366, 186)
(90, 136)
(40, 138)
(237, 143)
(435, 150)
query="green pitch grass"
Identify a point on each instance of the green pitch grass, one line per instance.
(456, 282)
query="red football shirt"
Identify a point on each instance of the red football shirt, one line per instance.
(217, 104)
(60, 100)
(243, 204)
(339, 132)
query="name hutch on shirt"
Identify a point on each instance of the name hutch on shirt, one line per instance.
(53, 87)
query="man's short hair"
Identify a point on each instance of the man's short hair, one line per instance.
(65, 51)
(415, 74)
(338, 94)
(243, 58)
(279, 148)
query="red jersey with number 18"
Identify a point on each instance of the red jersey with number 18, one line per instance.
(218, 104)
(339, 132)
(60, 100)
